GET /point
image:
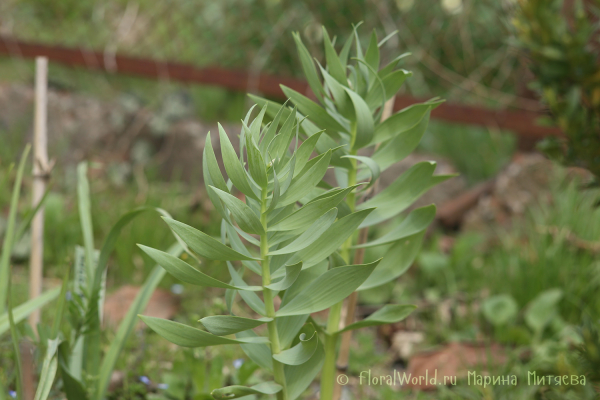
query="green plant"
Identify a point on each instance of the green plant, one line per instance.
(561, 41)
(305, 251)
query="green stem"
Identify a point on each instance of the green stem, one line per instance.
(278, 372)
(333, 321)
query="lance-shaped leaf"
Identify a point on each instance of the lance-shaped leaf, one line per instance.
(340, 97)
(388, 314)
(186, 336)
(237, 391)
(186, 273)
(304, 183)
(213, 166)
(336, 68)
(417, 221)
(311, 211)
(315, 113)
(372, 53)
(243, 215)
(392, 83)
(300, 353)
(308, 66)
(222, 325)
(365, 126)
(309, 236)
(336, 234)
(305, 150)
(385, 71)
(402, 145)
(256, 163)
(396, 261)
(204, 245)
(208, 181)
(281, 143)
(400, 122)
(299, 377)
(272, 130)
(237, 244)
(371, 165)
(233, 166)
(275, 195)
(328, 289)
(259, 353)
(257, 123)
(398, 196)
(253, 301)
(291, 274)
(23, 310)
(49, 368)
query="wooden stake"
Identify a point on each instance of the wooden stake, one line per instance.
(349, 308)
(40, 171)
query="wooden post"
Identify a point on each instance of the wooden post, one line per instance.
(40, 171)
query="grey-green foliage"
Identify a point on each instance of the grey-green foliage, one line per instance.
(283, 225)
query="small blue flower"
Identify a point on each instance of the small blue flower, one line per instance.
(163, 386)
(145, 380)
(238, 363)
(177, 288)
(12, 394)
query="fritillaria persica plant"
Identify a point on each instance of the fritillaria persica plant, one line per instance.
(295, 231)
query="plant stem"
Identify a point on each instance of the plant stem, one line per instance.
(333, 321)
(278, 372)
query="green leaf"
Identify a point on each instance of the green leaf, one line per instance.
(337, 234)
(396, 261)
(305, 150)
(299, 377)
(291, 274)
(253, 301)
(311, 211)
(186, 336)
(371, 165)
(372, 54)
(305, 182)
(313, 233)
(300, 353)
(398, 196)
(257, 123)
(223, 325)
(388, 314)
(315, 113)
(543, 309)
(392, 83)
(49, 368)
(499, 309)
(22, 311)
(308, 67)
(328, 289)
(85, 217)
(9, 236)
(340, 98)
(243, 215)
(385, 71)
(213, 166)
(400, 122)
(272, 130)
(417, 221)
(237, 245)
(256, 163)
(204, 245)
(186, 273)
(236, 391)
(365, 126)
(127, 324)
(259, 353)
(281, 143)
(233, 166)
(73, 388)
(402, 145)
(334, 64)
